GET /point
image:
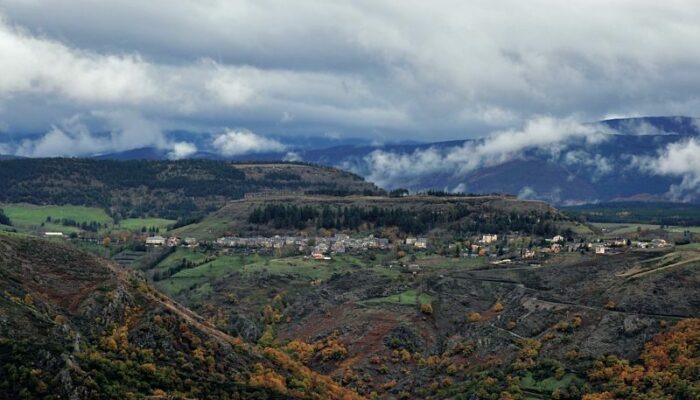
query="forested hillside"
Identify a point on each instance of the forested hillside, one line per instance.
(463, 215)
(409, 215)
(169, 189)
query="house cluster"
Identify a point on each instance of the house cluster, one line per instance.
(418, 243)
(172, 241)
(488, 239)
(615, 246)
(318, 247)
(489, 246)
(653, 244)
(53, 234)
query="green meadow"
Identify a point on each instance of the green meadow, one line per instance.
(302, 268)
(29, 217)
(409, 297)
(135, 224)
(29, 214)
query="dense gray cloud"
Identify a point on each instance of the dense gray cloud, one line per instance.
(377, 69)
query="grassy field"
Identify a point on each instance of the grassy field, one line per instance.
(218, 267)
(409, 297)
(135, 224)
(611, 228)
(691, 246)
(178, 255)
(436, 262)
(209, 228)
(305, 269)
(576, 227)
(207, 272)
(28, 215)
(622, 228)
(546, 385)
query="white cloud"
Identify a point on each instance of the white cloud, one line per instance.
(680, 159)
(73, 137)
(527, 193)
(600, 165)
(460, 188)
(548, 134)
(230, 87)
(67, 140)
(238, 142)
(292, 156)
(181, 150)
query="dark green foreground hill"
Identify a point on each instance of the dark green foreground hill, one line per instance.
(73, 326)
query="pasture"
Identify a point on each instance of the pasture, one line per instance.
(136, 224)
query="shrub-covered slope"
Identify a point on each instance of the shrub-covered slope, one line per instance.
(74, 326)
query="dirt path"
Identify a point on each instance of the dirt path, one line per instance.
(507, 331)
(651, 271)
(194, 319)
(653, 315)
(569, 304)
(185, 313)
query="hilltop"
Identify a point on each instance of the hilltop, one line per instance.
(409, 214)
(167, 189)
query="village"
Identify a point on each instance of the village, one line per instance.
(501, 249)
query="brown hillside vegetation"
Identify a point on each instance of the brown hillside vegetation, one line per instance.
(669, 368)
(74, 326)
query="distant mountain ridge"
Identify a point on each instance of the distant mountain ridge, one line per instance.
(617, 166)
(581, 172)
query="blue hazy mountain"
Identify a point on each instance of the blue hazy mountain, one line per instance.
(579, 172)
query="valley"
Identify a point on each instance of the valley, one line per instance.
(357, 200)
(350, 295)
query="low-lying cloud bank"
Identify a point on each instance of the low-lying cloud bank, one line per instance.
(73, 137)
(239, 142)
(129, 131)
(182, 150)
(681, 159)
(547, 134)
(569, 146)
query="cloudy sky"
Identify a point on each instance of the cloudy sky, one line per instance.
(246, 71)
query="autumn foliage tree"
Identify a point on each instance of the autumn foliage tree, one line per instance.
(474, 317)
(669, 368)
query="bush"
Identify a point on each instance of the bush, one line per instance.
(4, 219)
